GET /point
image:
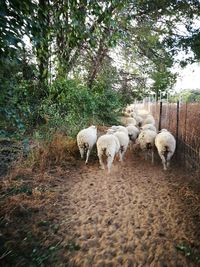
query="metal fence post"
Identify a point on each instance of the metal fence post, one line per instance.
(177, 124)
(160, 117)
(185, 135)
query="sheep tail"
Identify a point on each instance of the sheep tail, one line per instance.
(85, 146)
(104, 150)
(166, 151)
(148, 146)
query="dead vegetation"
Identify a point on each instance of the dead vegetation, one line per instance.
(28, 195)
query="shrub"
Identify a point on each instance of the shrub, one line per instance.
(71, 106)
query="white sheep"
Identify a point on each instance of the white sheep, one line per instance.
(149, 126)
(123, 141)
(139, 120)
(107, 145)
(166, 145)
(129, 108)
(146, 140)
(149, 120)
(127, 120)
(86, 139)
(133, 132)
(131, 121)
(143, 113)
(119, 128)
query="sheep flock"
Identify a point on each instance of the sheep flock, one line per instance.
(137, 130)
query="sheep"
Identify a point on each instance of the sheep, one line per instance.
(86, 139)
(108, 145)
(133, 114)
(133, 132)
(128, 120)
(123, 140)
(129, 109)
(166, 145)
(146, 140)
(149, 120)
(149, 126)
(143, 113)
(139, 120)
(131, 121)
(119, 128)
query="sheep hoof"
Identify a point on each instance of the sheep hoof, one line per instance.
(102, 167)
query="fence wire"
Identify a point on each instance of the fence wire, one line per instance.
(183, 121)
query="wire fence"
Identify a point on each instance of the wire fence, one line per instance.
(183, 121)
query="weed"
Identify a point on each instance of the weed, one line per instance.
(72, 246)
(189, 252)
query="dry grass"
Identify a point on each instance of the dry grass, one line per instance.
(28, 195)
(60, 150)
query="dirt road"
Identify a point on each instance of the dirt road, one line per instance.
(136, 216)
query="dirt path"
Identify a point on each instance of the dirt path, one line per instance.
(133, 217)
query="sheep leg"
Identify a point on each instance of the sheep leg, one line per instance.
(121, 154)
(152, 156)
(146, 155)
(88, 154)
(101, 162)
(109, 162)
(163, 161)
(169, 155)
(130, 145)
(81, 150)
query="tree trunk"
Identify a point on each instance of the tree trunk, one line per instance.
(96, 63)
(42, 49)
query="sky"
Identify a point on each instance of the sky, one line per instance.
(189, 77)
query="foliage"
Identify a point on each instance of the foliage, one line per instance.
(187, 96)
(163, 81)
(189, 252)
(71, 106)
(79, 35)
(107, 104)
(15, 22)
(68, 106)
(18, 97)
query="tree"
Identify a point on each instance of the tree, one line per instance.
(80, 24)
(41, 40)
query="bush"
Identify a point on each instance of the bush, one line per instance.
(71, 106)
(68, 107)
(18, 107)
(107, 104)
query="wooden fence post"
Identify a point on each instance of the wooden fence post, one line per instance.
(160, 117)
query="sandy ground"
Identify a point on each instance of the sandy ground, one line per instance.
(135, 216)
